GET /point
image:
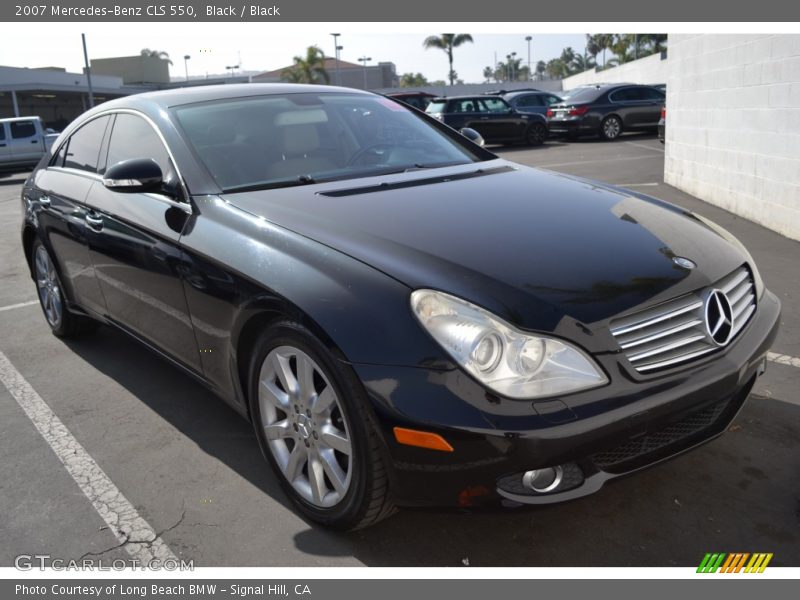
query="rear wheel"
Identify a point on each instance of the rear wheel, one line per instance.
(536, 134)
(311, 421)
(611, 128)
(51, 297)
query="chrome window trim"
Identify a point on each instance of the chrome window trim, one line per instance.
(185, 206)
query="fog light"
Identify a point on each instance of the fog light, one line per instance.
(543, 480)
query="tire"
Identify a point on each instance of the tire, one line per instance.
(536, 135)
(62, 322)
(304, 435)
(611, 128)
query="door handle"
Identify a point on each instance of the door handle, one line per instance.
(34, 141)
(44, 200)
(94, 221)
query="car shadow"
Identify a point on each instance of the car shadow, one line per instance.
(738, 493)
(10, 178)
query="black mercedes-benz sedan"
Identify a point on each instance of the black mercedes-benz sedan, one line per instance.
(405, 318)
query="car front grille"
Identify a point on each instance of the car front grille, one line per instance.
(675, 331)
(670, 435)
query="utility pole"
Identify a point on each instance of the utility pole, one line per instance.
(336, 48)
(88, 71)
(365, 60)
(528, 39)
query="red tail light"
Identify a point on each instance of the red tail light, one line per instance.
(550, 113)
(663, 112)
(578, 111)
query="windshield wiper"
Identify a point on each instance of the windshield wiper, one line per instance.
(271, 185)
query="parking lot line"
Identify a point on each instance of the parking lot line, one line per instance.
(130, 529)
(646, 147)
(614, 159)
(19, 305)
(784, 359)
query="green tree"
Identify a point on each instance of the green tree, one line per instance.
(156, 54)
(447, 42)
(541, 68)
(600, 43)
(488, 74)
(413, 80)
(581, 63)
(556, 68)
(308, 69)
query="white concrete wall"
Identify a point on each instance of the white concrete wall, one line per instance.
(733, 124)
(649, 70)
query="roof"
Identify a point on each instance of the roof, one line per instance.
(328, 63)
(465, 97)
(205, 93)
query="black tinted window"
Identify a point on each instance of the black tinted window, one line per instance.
(587, 94)
(84, 145)
(627, 94)
(652, 94)
(133, 137)
(2, 131)
(531, 100)
(22, 129)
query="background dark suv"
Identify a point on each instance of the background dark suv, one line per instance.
(531, 101)
(492, 117)
(607, 111)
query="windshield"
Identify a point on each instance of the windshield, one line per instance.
(584, 94)
(296, 139)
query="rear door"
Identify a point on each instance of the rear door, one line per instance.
(27, 144)
(507, 123)
(59, 199)
(135, 250)
(632, 105)
(654, 101)
(531, 103)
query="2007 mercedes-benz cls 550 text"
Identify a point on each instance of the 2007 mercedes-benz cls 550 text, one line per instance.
(405, 318)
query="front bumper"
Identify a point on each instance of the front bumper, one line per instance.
(600, 434)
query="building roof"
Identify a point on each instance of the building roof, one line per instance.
(329, 64)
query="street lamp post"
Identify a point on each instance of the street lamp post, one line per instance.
(88, 71)
(528, 39)
(232, 68)
(508, 67)
(186, 58)
(365, 60)
(336, 48)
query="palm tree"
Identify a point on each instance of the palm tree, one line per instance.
(602, 42)
(556, 68)
(541, 68)
(156, 54)
(488, 74)
(655, 42)
(308, 69)
(446, 42)
(581, 63)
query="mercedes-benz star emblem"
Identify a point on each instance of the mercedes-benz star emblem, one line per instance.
(719, 317)
(684, 262)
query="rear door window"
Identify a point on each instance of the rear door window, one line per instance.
(83, 148)
(496, 105)
(22, 129)
(530, 101)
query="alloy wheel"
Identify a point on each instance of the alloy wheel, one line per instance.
(611, 128)
(48, 287)
(305, 426)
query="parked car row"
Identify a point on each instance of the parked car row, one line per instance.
(531, 116)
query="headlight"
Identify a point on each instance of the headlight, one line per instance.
(508, 361)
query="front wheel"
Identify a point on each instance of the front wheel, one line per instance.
(536, 134)
(310, 417)
(51, 296)
(611, 128)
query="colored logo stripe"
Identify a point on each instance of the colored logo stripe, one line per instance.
(734, 562)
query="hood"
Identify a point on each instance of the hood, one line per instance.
(530, 245)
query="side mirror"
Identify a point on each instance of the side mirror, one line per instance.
(135, 175)
(472, 135)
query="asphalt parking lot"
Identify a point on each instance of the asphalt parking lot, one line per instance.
(192, 469)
